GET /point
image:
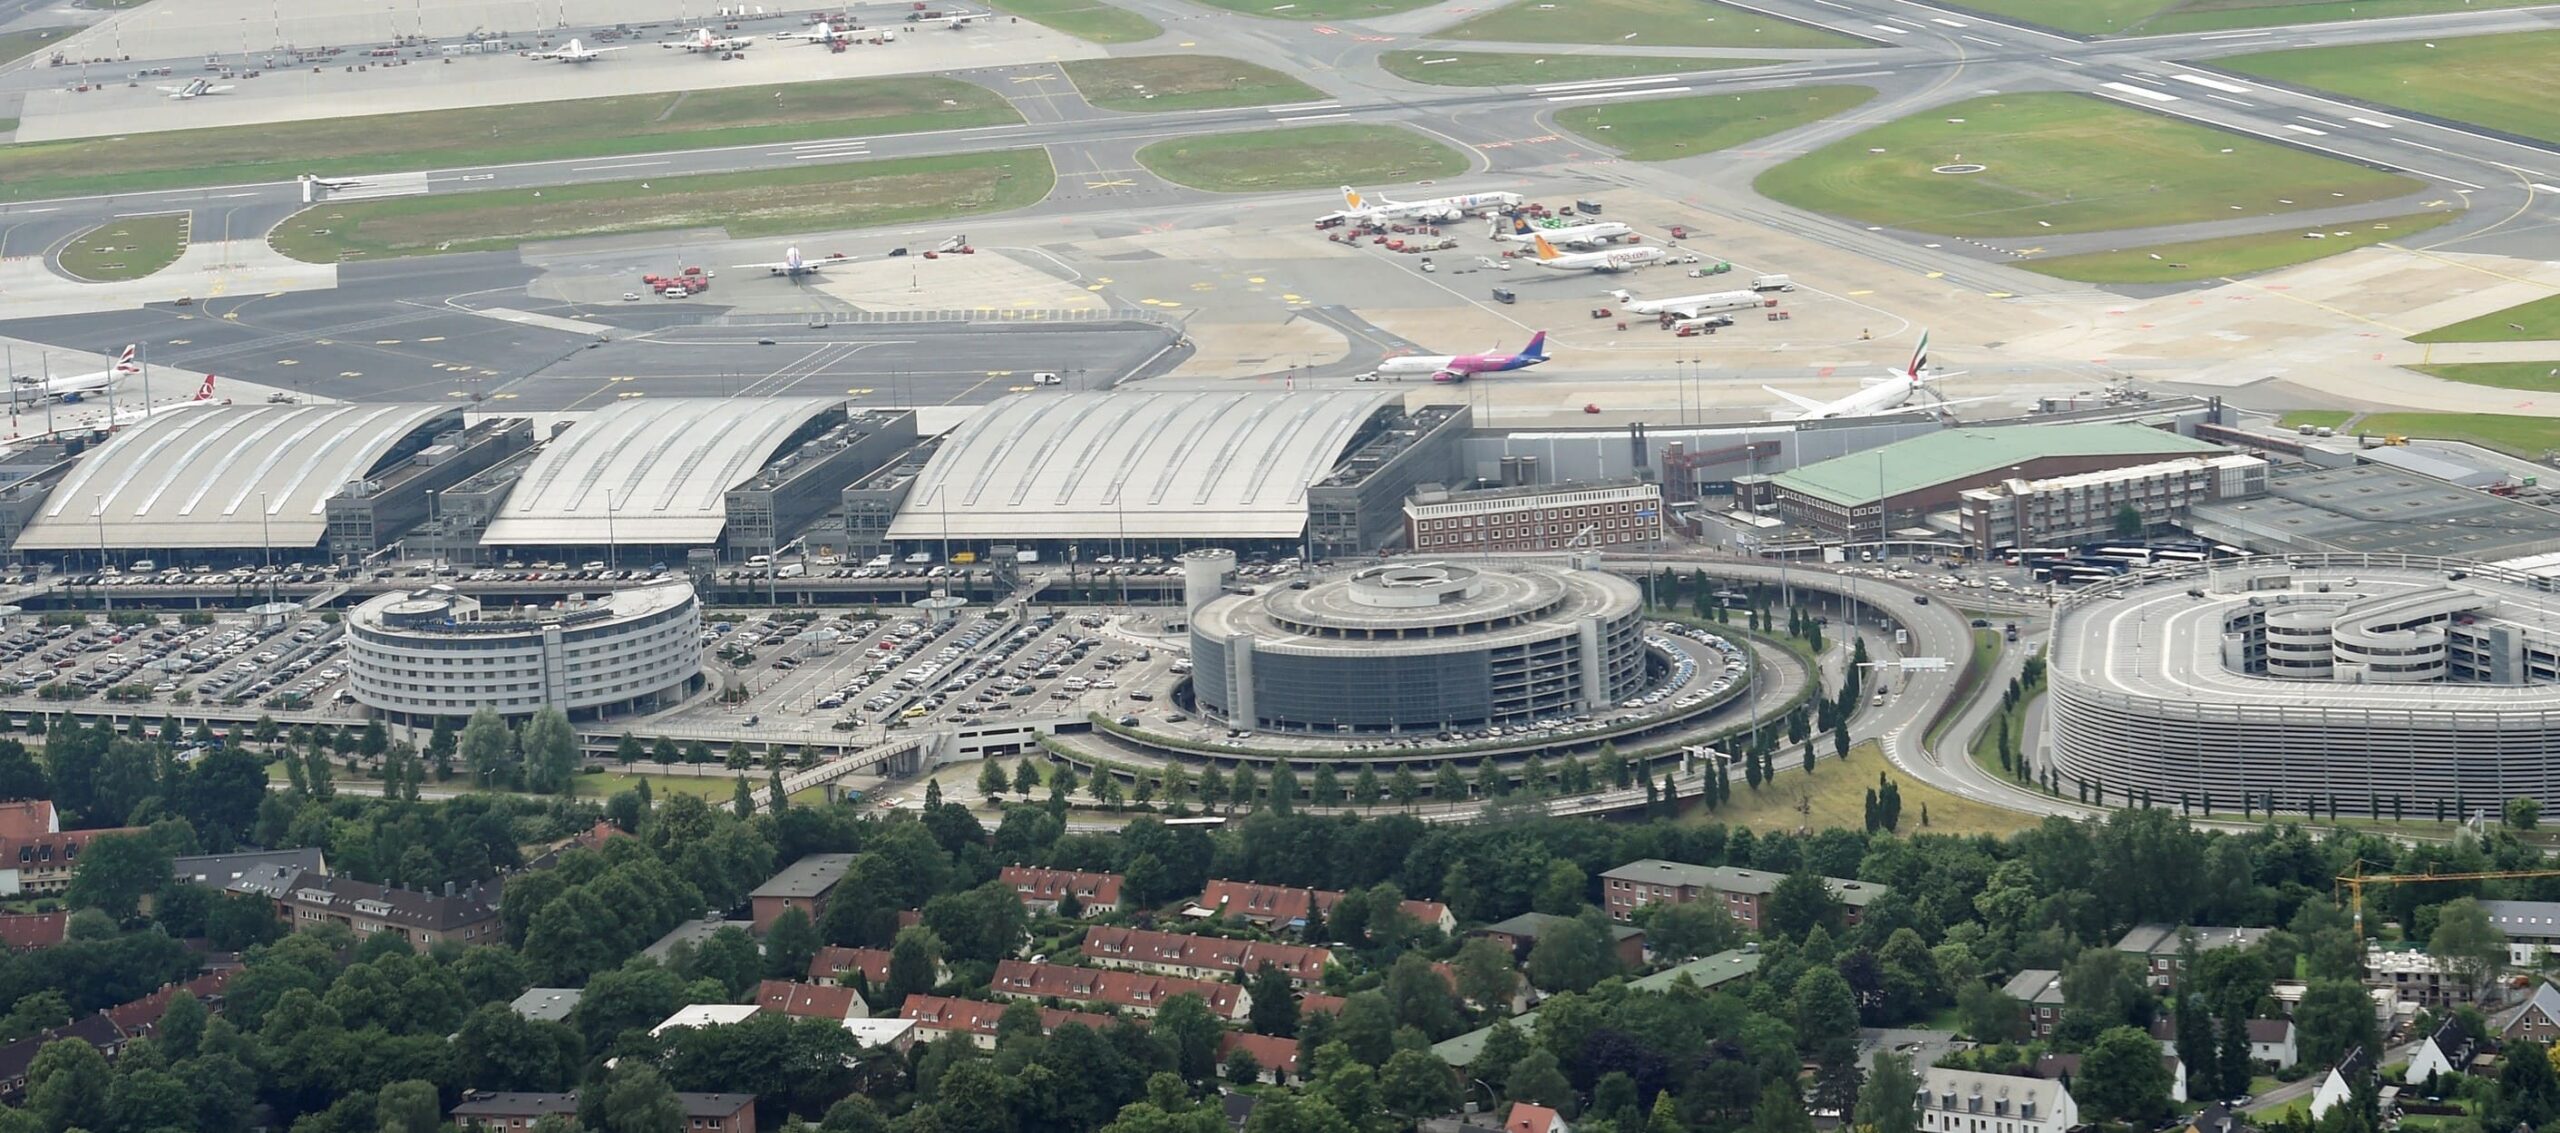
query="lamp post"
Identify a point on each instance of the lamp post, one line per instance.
(612, 557)
(266, 549)
(98, 502)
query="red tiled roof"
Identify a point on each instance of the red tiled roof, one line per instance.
(1137, 990)
(27, 818)
(1268, 1053)
(43, 850)
(143, 1015)
(1527, 1118)
(834, 960)
(1048, 885)
(979, 1017)
(1302, 963)
(1283, 903)
(33, 930)
(1319, 1005)
(812, 1001)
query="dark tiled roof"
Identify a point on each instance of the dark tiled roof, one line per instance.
(261, 870)
(429, 911)
(811, 876)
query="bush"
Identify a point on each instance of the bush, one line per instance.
(62, 690)
(195, 618)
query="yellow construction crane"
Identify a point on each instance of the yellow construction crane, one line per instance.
(2356, 881)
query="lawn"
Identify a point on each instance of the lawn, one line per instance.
(2168, 17)
(587, 127)
(1835, 796)
(1307, 157)
(1319, 9)
(2524, 322)
(2231, 255)
(1987, 644)
(2528, 437)
(20, 44)
(2060, 163)
(2316, 418)
(1083, 19)
(1665, 129)
(2540, 377)
(809, 198)
(1986, 746)
(1141, 83)
(1642, 23)
(719, 785)
(1507, 68)
(2503, 82)
(128, 247)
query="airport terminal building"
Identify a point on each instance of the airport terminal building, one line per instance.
(1419, 648)
(416, 656)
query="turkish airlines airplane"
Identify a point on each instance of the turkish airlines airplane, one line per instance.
(573, 52)
(1460, 367)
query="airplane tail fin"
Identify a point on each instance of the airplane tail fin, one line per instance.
(1919, 358)
(205, 392)
(124, 361)
(1520, 225)
(1537, 347)
(1350, 197)
(1546, 251)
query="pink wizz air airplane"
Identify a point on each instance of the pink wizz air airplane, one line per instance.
(1460, 367)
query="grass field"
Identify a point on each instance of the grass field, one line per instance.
(2528, 437)
(1987, 644)
(1183, 82)
(1986, 747)
(18, 45)
(2503, 82)
(857, 194)
(2061, 163)
(718, 786)
(2315, 418)
(2539, 377)
(589, 127)
(2525, 322)
(1318, 9)
(1664, 129)
(1507, 68)
(1307, 157)
(2230, 255)
(2169, 17)
(1641, 23)
(1083, 19)
(128, 247)
(1835, 795)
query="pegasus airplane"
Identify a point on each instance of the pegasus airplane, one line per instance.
(791, 266)
(1570, 235)
(1882, 396)
(1363, 210)
(573, 52)
(1613, 259)
(73, 385)
(1460, 367)
(703, 42)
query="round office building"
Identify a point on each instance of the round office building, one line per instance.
(1419, 648)
(2361, 683)
(414, 656)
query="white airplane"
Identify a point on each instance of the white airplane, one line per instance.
(1570, 235)
(334, 184)
(821, 33)
(1363, 210)
(196, 88)
(1690, 306)
(572, 52)
(791, 266)
(1614, 259)
(703, 42)
(958, 20)
(1883, 396)
(202, 400)
(74, 385)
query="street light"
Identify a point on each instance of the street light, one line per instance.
(267, 549)
(98, 505)
(612, 557)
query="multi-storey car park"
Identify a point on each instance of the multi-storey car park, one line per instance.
(2369, 683)
(421, 655)
(1425, 647)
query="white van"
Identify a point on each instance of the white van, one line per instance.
(145, 566)
(759, 562)
(1047, 378)
(1772, 283)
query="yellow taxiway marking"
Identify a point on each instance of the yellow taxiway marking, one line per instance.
(1121, 184)
(1869, 291)
(1094, 287)
(1102, 279)
(1292, 298)
(1998, 295)
(491, 373)
(275, 295)
(502, 397)
(859, 392)
(1204, 287)
(999, 373)
(1937, 275)
(633, 393)
(1019, 389)
(1033, 78)
(1253, 279)
(227, 315)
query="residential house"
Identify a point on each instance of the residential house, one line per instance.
(811, 1001)
(2039, 995)
(423, 919)
(1139, 992)
(1520, 934)
(2532, 928)
(2158, 946)
(802, 885)
(2540, 1019)
(547, 1004)
(97, 1030)
(2340, 1086)
(41, 864)
(511, 1109)
(1042, 889)
(265, 872)
(22, 931)
(1312, 1003)
(2271, 1041)
(718, 1113)
(1287, 906)
(2447, 1050)
(935, 1016)
(693, 932)
(1201, 957)
(1527, 1118)
(2064, 1068)
(1964, 1101)
(592, 838)
(28, 818)
(835, 963)
(896, 1034)
(1278, 1058)
(1639, 883)
(2218, 1117)
(141, 1018)
(706, 1015)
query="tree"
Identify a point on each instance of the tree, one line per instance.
(912, 958)
(1422, 998)
(182, 1025)
(1572, 955)
(1416, 1083)
(1241, 1067)
(1537, 1078)
(2129, 523)
(1560, 891)
(991, 781)
(790, 944)
(2334, 1017)
(1797, 903)
(1486, 973)
(67, 1085)
(637, 1100)
(117, 871)
(1825, 1008)
(1686, 929)
(2122, 1078)
(488, 749)
(742, 798)
(1887, 1103)
(2195, 1048)
(408, 1106)
(1190, 1034)
(2464, 939)
(1274, 1010)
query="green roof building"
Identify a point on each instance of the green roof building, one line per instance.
(1865, 497)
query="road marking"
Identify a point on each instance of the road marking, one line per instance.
(1603, 84)
(2063, 61)
(1900, 20)
(2370, 122)
(1982, 41)
(1893, 29)
(1324, 104)
(2212, 84)
(2232, 101)
(830, 153)
(1108, 184)
(229, 196)
(2140, 92)
(623, 165)
(1617, 94)
(1315, 117)
(1949, 23)
(1832, 4)
(2237, 35)
(2318, 121)
(2299, 143)
(2420, 145)
(2538, 186)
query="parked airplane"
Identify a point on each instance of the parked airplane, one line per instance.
(1879, 397)
(956, 21)
(1571, 235)
(1363, 210)
(1614, 259)
(791, 266)
(196, 88)
(572, 52)
(203, 399)
(73, 385)
(820, 33)
(1460, 367)
(1690, 306)
(702, 41)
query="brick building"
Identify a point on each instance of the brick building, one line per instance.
(467, 916)
(936, 1016)
(833, 963)
(1639, 883)
(1533, 517)
(811, 1001)
(1286, 906)
(802, 885)
(1864, 496)
(1277, 1057)
(2039, 995)
(1201, 957)
(1138, 992)
(1042, 889)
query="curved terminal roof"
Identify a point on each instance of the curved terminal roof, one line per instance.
(667, 465)
(1196, 465)
(193, 479)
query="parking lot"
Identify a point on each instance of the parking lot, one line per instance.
(200, 659)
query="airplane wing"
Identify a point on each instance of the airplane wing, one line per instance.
(1937, 403)
(1445, 374)
(225, 89)
(1807, 404)
(786, 265)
